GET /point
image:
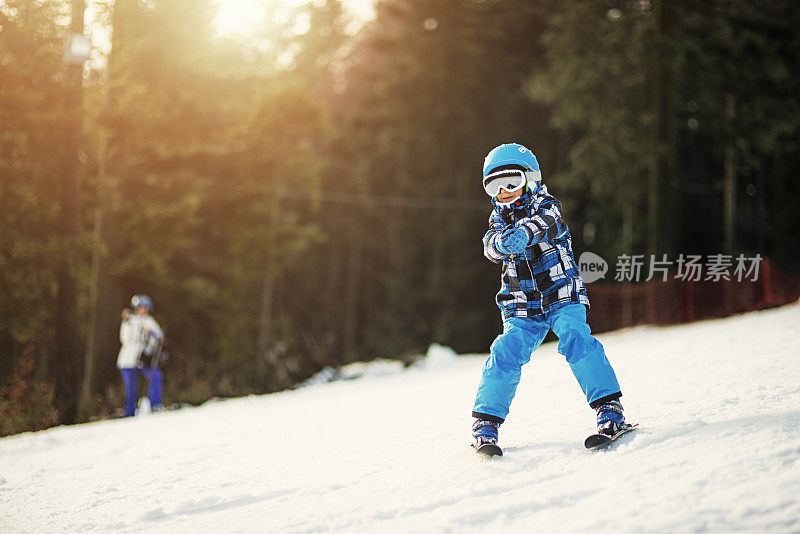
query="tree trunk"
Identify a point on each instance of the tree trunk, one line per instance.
(661, 194)
(729, 180)
(661, 224)
(91, 334)
(627, 248)
(66, 368)
(352, 299)
(267, 295)
(6, 341)
(729, 206)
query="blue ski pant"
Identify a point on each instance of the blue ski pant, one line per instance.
(130, 379)
(521, 336)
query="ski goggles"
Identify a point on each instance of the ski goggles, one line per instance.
(510, 179)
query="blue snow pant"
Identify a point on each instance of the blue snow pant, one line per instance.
(130, 378)
(521, 336)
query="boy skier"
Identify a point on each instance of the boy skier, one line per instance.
(139, 334)
(541, 290)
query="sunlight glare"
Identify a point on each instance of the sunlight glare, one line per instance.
(243, 17)
(238, 17)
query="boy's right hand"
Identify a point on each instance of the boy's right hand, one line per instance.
(513, 241)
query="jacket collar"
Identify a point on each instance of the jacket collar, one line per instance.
(521, 202)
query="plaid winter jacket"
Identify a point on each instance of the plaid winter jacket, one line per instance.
(545, 277)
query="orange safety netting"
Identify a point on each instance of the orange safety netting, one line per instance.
(674, 301)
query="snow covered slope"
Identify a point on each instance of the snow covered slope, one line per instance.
(718, 450)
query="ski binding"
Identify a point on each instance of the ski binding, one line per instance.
(602, 441)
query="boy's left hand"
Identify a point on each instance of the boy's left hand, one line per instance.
(513, 241)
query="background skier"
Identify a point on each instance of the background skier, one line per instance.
(541, 290)
(140, 335)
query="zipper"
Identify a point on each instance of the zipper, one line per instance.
(528, 263)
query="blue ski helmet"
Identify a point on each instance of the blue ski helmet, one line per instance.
(514, 154)
(142, 300)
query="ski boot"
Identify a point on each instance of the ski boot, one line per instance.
(610, 418)
(485, 434)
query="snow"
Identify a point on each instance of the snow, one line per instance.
(718, 449)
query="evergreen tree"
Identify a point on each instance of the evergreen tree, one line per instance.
(31, 122)
(431, 88)
(596, 85)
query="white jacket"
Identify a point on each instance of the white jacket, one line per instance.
(137, 334)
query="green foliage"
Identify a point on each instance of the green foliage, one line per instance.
(31, 88)
(596, 85)
(26, 401)
(740, 87)
(431, 87)
(200, 162)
